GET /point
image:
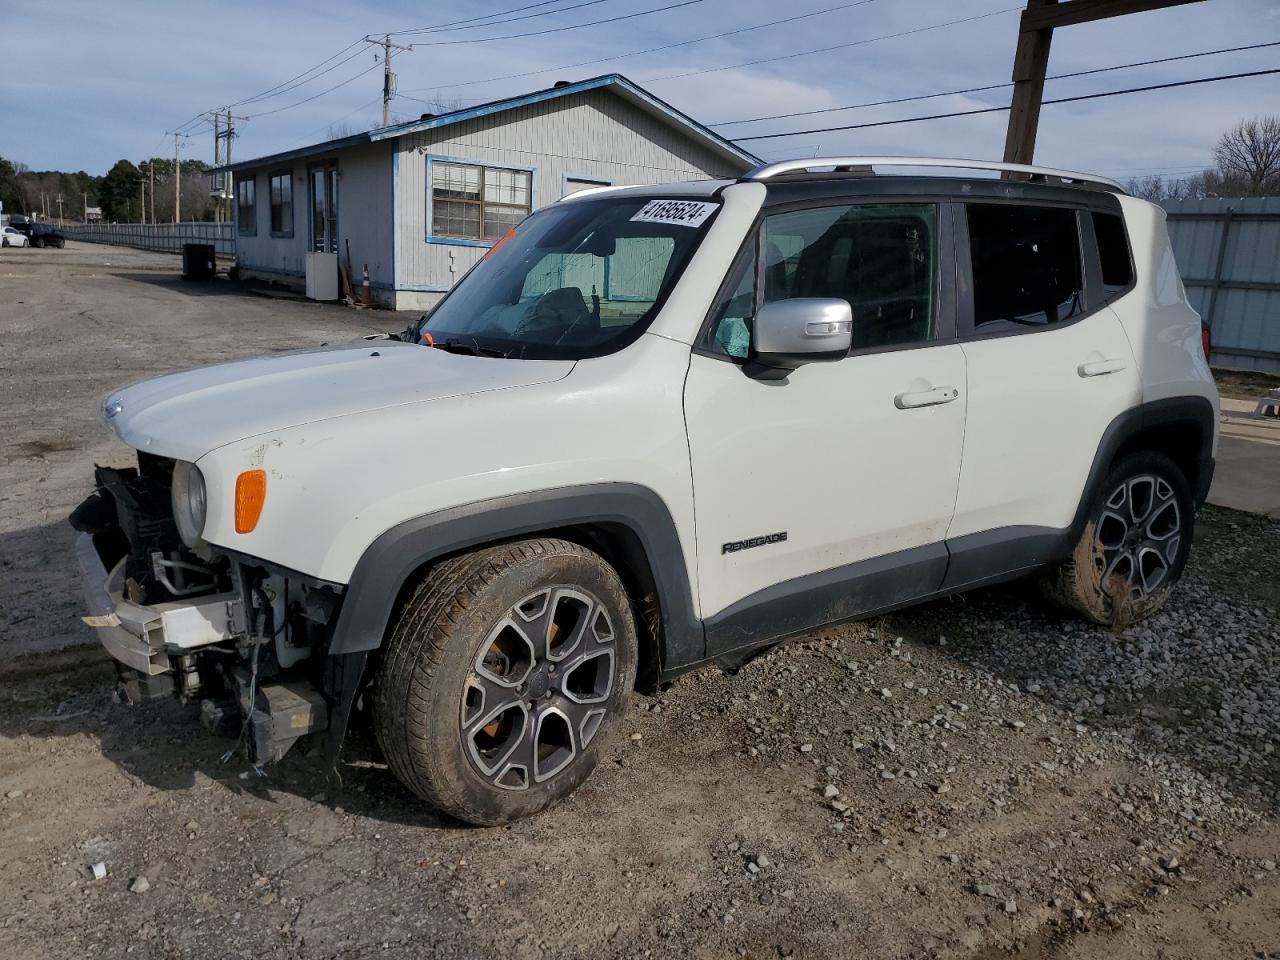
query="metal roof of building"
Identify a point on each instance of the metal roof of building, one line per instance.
(614, 82)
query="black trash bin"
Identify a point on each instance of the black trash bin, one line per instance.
(198, 262)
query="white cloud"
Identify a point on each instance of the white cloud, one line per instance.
(126, 73)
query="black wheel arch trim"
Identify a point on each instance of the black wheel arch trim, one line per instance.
(389, 562)
(1132, 424)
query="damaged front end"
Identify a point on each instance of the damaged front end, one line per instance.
(243, 639)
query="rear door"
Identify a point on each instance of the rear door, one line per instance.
(829, 493)
(1049, 366)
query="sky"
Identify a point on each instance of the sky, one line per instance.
(125, 74)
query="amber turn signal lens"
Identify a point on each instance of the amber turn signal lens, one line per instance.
(251, 494)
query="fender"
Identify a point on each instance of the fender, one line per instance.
(394, 556)
(1151, 415)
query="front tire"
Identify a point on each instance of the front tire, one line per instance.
(504, 677)
(1133, 547)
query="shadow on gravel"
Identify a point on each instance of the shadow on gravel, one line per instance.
(1195, 684)
(71, 693)
(221, 287)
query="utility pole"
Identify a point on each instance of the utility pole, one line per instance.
(388, 78)
(142, 198)
(217, 162)
(227, 133)
(59, 209)
(151, 174)
(86, 207)
(1035, 33)
(177, 177)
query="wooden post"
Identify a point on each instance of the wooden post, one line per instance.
(1035, 33)
(1029, 65)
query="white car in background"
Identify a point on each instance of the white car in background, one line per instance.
(10, 237)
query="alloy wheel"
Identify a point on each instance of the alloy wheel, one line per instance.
(539, 688)
(1138, 536)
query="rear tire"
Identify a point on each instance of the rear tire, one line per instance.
(505, 675)
(1134, 545)
(37, 243)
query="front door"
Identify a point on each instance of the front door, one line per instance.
(828, 494)
(324, 209)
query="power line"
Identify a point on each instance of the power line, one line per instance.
(310, 74)
(466, 20)
(637, 53)
(969, 113)
(838, 46)
(464, 25)
(992, 86)
(267, 113)
(571, 26)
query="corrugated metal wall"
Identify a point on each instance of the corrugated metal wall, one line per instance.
(1228, 251)
(595, 135)
(168, 237)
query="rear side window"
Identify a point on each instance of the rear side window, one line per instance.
(1026, 264)
(1113, 251)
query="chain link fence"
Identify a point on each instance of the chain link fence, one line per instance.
(164, 237)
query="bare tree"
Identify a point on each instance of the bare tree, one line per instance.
(1157, 189)
(1248, 157)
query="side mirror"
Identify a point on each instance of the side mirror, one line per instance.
(789, 333)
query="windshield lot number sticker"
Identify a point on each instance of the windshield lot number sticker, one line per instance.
(684, 213)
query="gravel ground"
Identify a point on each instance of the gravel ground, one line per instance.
(981, 777)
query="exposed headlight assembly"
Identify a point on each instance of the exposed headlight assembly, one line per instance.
(189, 503)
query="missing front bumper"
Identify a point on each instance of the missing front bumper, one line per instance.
(144, 637)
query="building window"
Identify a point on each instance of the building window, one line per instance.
(246, 213)
(282, 204)
(1026, 265)
(471, 202)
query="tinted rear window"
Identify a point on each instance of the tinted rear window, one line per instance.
(1113, 251)
(1026, 264)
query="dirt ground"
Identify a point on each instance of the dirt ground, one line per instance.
(981, 777)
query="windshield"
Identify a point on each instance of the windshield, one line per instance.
(574, 280)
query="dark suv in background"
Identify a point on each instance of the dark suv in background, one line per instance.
(43, 235)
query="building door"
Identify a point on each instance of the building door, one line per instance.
(324, 209)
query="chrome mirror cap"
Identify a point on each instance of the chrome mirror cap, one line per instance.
(789, 333)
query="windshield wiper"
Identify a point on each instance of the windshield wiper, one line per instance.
(454, 345)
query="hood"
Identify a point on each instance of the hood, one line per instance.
(185, 415)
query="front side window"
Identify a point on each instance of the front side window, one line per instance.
(282, 203)
(1026, 265)
(574, 280)
(880, 258)
(473, 202)
(245, 211)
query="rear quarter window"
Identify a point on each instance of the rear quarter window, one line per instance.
(1113, 252)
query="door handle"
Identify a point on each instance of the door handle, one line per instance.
(1098, 368)
(925, 398)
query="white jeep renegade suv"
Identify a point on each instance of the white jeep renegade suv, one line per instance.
(657, 427)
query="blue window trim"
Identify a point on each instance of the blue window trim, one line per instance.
(240, 230)
(395, 215)
(460, 241)
(288, 175)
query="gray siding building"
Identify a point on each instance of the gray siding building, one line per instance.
(420, 202)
